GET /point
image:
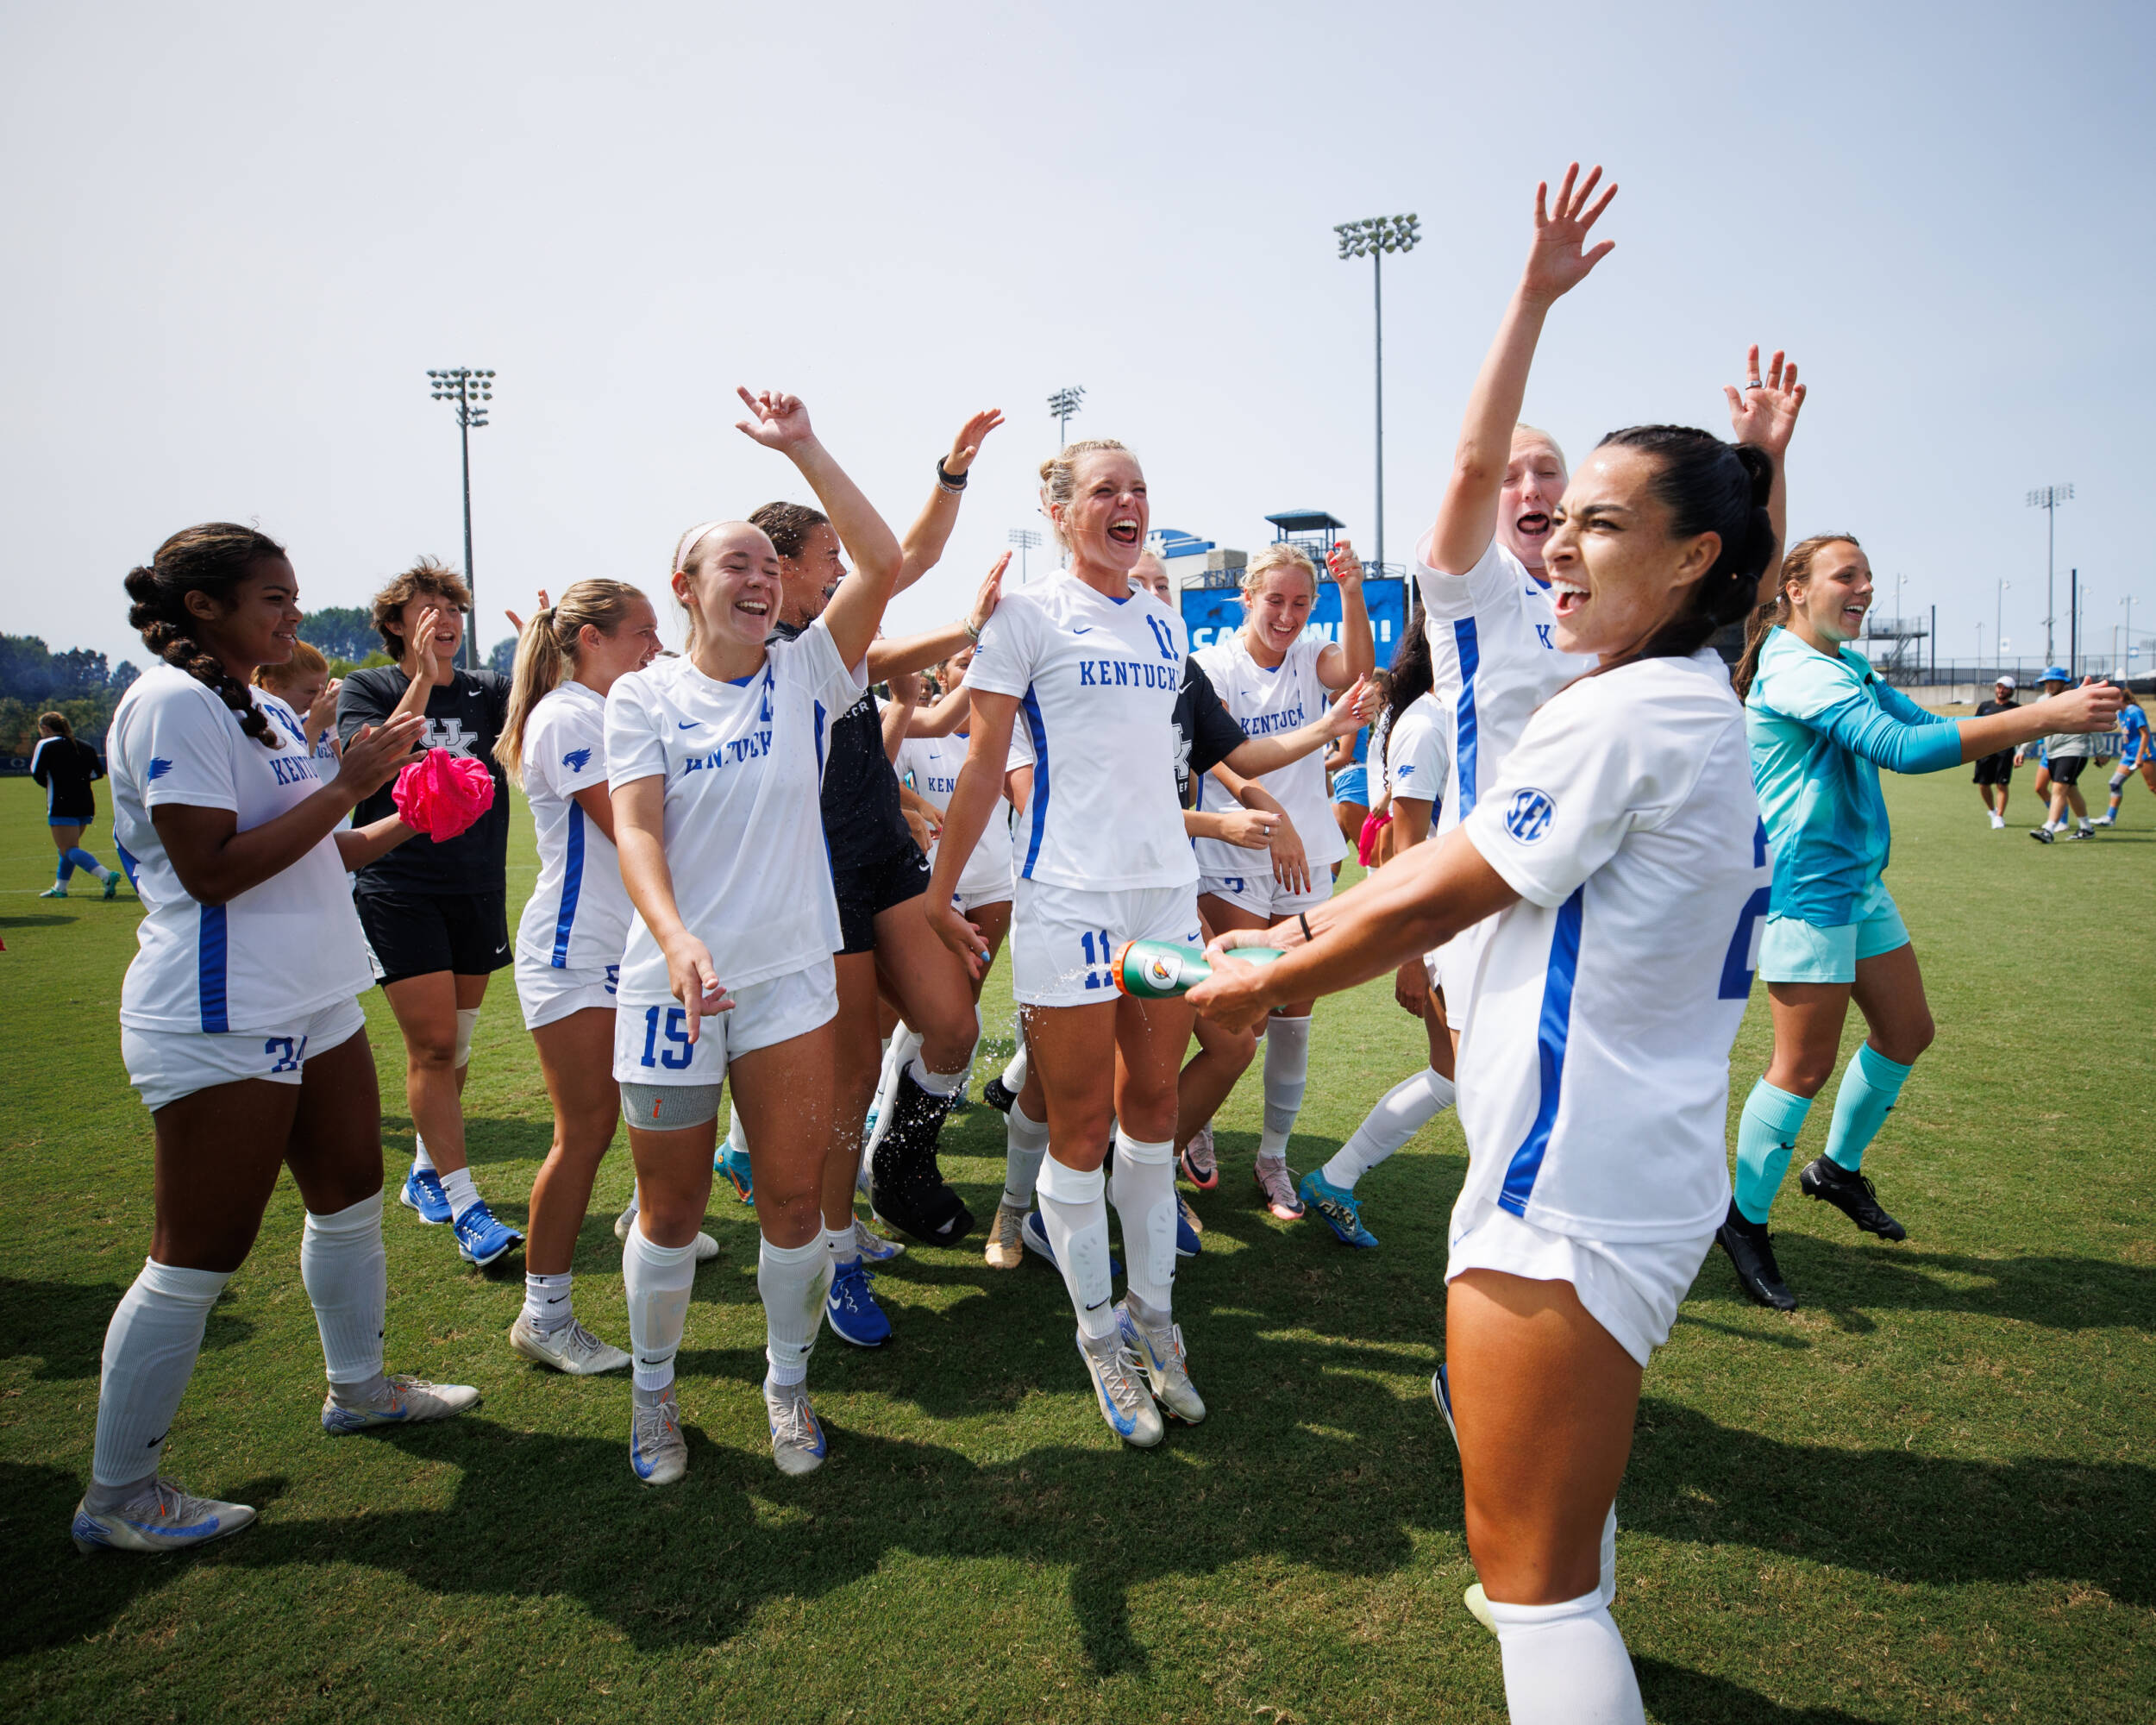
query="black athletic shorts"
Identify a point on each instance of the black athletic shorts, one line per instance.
(1995, 769)
(901, 873)
(2067, 769)
(415, 934)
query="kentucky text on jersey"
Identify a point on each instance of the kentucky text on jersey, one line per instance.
(1270, 724)
(1134, 674)
(749, 748)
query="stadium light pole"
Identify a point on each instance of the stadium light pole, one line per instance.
(1063, 406)
(2047, 498)
(1027, 539)
(1372, 238)
(467, 391)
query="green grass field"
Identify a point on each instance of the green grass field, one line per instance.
(1928, 1494)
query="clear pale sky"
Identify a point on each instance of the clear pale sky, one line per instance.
(238, 235)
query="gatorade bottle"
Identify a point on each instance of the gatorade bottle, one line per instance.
(1156, 970)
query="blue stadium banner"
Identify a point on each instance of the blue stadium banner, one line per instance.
(1215, 613)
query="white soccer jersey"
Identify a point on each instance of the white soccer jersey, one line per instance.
(1267, 704)
(934, 763)
(1419, 753)
(1097, 680)
(577, 917)
(286, 947)
(744, 765)
(1494, 662)
(1594, 1066)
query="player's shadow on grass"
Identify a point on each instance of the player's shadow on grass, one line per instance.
(61, 1325)
(35, 921)
(1889, 1513)
(1844, 1278)
(1677, 1696)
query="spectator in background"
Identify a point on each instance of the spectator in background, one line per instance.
(2064, 755)
(1995, 772)
(66, 768)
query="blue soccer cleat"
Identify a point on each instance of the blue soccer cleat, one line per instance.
(852, 1309)
(422, 1194)
(481, 1238)
(873, 1247)
(733, 1164)
(1338, 1206)
(1187, 1229)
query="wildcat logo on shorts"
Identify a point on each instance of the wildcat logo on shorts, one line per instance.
(1529, 816)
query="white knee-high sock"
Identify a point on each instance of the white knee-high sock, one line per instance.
(1014, 1075)
(421, 1161)
(1566, 1664)
(1145, 1206)
(1286, 1072)
(657, 1280)
(793, 1281)
(1025, 1142)
(150, 1349)
(1075, 1213)
(1402, 1112)
(346, 1273)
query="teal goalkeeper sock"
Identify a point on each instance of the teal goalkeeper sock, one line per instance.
(1861, 1106)
(1766, 1136)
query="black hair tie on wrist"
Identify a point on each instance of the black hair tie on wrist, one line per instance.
(949, 482)
(1307, 935)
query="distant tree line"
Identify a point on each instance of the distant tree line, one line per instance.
(33, 679)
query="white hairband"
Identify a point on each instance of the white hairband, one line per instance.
(688, 541)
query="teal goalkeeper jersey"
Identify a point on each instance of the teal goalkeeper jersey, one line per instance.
(1821, 728)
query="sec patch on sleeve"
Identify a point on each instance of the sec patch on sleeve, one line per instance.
(1528, 816)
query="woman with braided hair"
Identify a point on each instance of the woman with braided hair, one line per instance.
(239, 1021)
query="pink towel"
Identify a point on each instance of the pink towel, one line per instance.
(1373, 825)
(441, 794)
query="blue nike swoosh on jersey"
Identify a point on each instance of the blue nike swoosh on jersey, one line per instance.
(687, 724)
(1087, 629)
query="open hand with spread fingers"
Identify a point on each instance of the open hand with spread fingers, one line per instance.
(1558, 261)
(1764, 412)
(971, 435)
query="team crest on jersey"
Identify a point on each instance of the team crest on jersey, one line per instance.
(577, 760)
(1529, 815)
(159, 766)
(450, 734)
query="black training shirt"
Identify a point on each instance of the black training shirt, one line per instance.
(863, 822)
(1985, 709)
(1205, 732)
(65, 766)
(464, 716)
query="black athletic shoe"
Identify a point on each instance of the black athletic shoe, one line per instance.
(2042, 835)
(1852, 1195)
(906, 1187)
(1751, 1251)
(996, 1096)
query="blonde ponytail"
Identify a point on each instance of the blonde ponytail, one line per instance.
(546, 652)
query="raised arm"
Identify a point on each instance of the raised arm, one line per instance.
(1557, 262)
(1354, 656)
(918, 652)
(930, 531)
(1258, 755)
(430, 669)
(781, 423)
(945, 715)
(1764, 413)
(897, 712)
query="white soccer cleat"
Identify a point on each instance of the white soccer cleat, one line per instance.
(658, 1453)
(403, 1401)
(163, 1519)
(624, 1222)
(1160, 1351)
(1119, 1389)
(706, 1248)
(572, 1349)
(797, 1440)
(1006, 1237)
(1477, 1604)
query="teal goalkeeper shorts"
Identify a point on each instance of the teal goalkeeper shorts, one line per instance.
(1792, 950)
